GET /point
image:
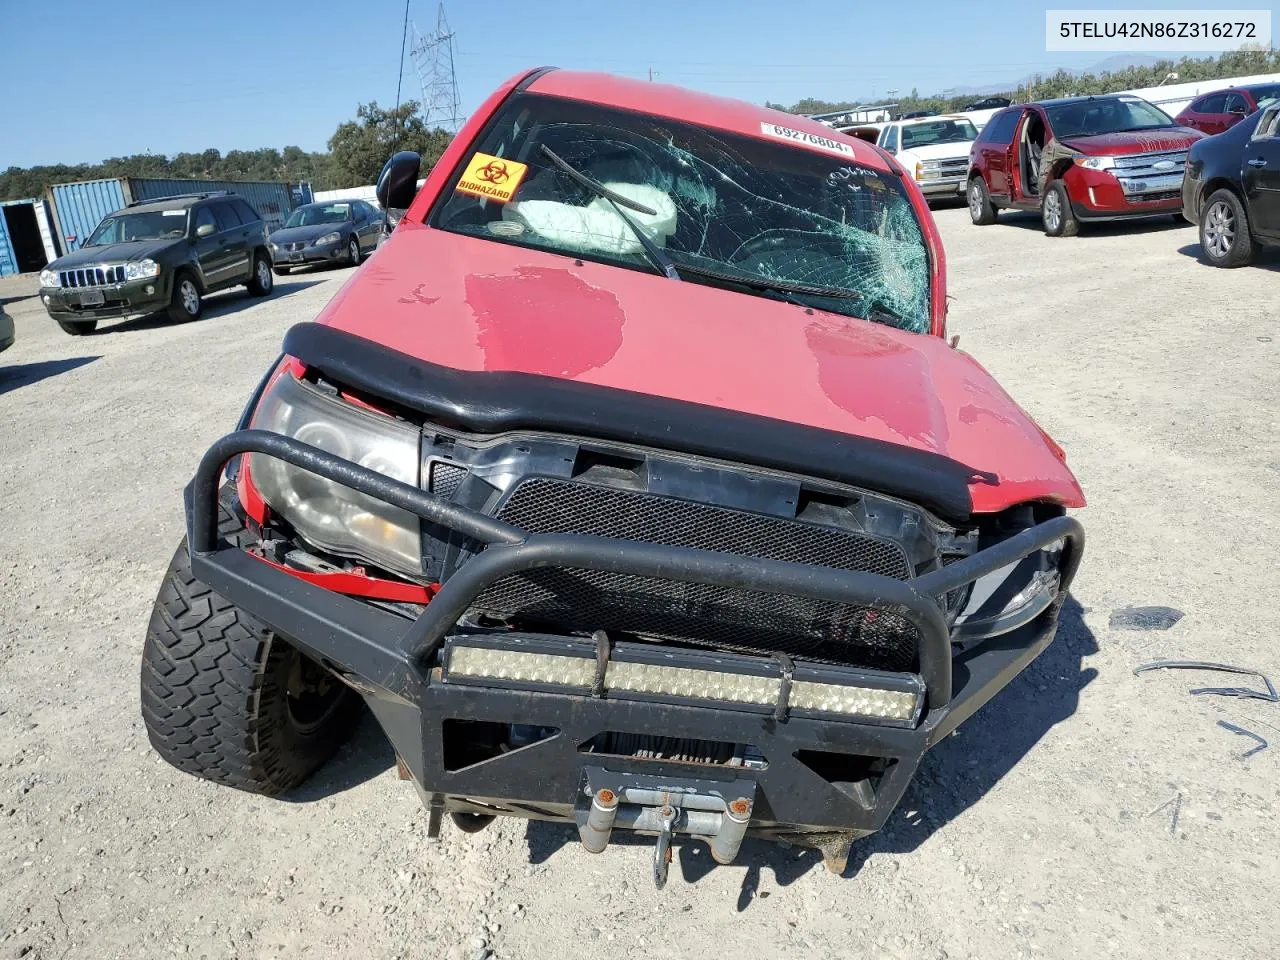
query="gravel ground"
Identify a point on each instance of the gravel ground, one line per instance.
(1084, 812)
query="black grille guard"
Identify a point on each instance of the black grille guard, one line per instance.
(351, 625)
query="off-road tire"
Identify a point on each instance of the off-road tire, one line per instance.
(981, 211)
(1232, 246)
(262, 283)
(1065, 223)
(214, 682)
(78, 328)
(180, 309)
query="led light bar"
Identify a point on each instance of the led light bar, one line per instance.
(640, 671)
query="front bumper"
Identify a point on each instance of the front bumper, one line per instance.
(118, 299)
(946, 187)
(1098, 195)
(394, 662)
(309, 254)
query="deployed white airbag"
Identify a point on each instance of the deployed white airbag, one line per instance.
(597, 228)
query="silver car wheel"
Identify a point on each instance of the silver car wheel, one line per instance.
(264, 276)
(1219, 230)
(190, 297)
(975, 199)
(1052, 211)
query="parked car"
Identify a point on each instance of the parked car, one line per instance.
(1079, 159)
(990, 103)
(1219, 111)
(159, 255)
(1232, 188)
(7, 334)
(336, 231)
(913, 114)
(933, 151)
(638, 488)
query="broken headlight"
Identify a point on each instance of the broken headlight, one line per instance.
(1012, 596)
(330, 516)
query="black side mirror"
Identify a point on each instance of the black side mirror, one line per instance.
(398, 181)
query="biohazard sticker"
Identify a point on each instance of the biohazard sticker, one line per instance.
(493, 177)
(817, 141)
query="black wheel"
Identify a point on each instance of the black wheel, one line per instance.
(283, 271)
(78, 328)
(1056, 213)
(224, 698)
(353, 251)
(186, 303)
(981, 210)
(262, 282)
(1224, 231)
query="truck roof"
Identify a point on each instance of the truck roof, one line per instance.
(704, 109)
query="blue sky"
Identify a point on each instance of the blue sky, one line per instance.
(82, 81)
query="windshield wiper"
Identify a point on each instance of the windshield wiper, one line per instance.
(618, 201)
(757, 282)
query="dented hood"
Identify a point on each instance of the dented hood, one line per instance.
(476, 305)
(1134, 141)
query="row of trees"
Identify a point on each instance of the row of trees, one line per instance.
(1064, 83)
(357, 151)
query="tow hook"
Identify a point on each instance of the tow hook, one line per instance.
(718, 812)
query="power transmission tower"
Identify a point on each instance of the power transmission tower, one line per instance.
(432, 57)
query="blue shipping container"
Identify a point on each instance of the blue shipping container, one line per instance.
(272, 199)
(8, 259)
(79, 207)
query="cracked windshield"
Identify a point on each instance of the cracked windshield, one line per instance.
(767, 219)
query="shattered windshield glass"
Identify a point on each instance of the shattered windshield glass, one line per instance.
(794, 223)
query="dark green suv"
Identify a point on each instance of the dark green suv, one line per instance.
(159, 255)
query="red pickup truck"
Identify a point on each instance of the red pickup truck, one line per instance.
(1079, 159)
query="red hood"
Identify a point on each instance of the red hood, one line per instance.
(1134, 141)
(475, 304)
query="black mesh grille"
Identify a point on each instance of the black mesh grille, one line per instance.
(445, 478)
(720, 617)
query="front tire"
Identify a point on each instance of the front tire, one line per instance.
(1224, 231)
(262, 281)
(78, 328)
(186, 303)
(353, 252)
(282, 271)
(981, 210)
(226, 699)
(1055, 212)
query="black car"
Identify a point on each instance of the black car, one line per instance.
(159, 255)
(990, 103)
(1231, 189)
(337, 231)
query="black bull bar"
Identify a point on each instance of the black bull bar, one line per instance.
(389, 657)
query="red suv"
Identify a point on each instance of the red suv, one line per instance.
(1219, 111)
(1078, 159)
(633, 484)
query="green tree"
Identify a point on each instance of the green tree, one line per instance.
(360, 147)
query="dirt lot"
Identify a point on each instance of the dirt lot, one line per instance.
(1085, 812)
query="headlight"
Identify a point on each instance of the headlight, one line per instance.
(928, 170)
(1012, 596)
(329, 238)
(1096, 163)
(49, 278)
(326, 514)
(141, 269)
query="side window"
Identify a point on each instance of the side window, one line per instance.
(226, 214)
(1269, 125)
(891, 140)
(247, 213)
(1236, 104)
(205, 217)
(999, 129)
(1215, 103)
